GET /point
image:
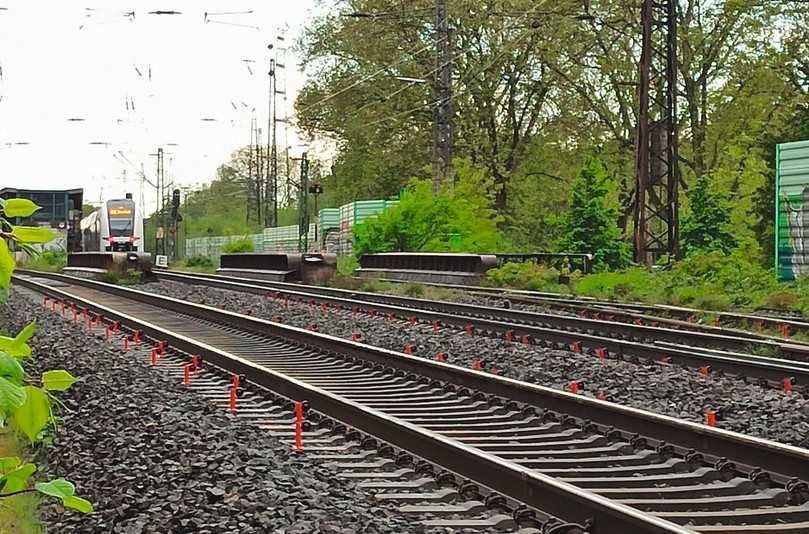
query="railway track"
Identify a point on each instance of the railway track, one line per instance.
(633, 311)
(699, 350)
(605, 467)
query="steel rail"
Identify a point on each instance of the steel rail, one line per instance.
(747, 451)
(735, 340)
(771, 369)
(546, 493)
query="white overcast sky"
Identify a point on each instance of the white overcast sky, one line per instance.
(61, 60)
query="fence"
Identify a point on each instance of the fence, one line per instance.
(212, 246)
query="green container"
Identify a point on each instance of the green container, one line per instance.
(792, 210)
(329, 218)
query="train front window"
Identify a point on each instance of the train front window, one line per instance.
(120, 227)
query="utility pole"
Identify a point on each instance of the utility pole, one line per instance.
(303, 206)
(161, 183)
(249, 184)
(656, 170)
(443, 134)
(271, 187)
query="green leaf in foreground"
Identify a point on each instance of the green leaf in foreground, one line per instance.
(17, 479)
(57, 380)
(6, 264)
(12, 397)
(17, 346)
(11, 369)
(64, 490)
(34, 414)
(8, 463)
(19, 207)
(33, 234)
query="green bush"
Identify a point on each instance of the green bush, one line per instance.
(49, 261)
(463, 221)
(240, 245)
(412, 289)
(528, 276)
(346, 265)
(198, 261)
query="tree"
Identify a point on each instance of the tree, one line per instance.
(591, 224)
(707, 227)
(462, 221)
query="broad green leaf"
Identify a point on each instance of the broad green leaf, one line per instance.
(17, 479)
(78, 504)
(17, 346)
(10, 368)
(8, 463)
(6, 264)
(34, 414)
(19, 207)
(26, 333)
(33, 234)
(12, 397)
(57, 380)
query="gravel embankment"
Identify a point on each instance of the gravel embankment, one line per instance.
(669, 390)
(153, 457)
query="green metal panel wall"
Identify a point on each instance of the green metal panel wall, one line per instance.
(792, 210)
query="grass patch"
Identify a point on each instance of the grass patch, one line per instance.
(18, 514)
(50, 261)
(128, 278)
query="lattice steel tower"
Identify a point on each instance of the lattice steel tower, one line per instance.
(657, 170)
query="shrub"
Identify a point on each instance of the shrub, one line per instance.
(529, 276)
(198, 261)
(346, 265)
(463, 221)
(412, 289)
(239, 245)
(49, 261)
(784, 299)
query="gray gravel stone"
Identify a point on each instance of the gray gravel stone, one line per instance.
(153, 457)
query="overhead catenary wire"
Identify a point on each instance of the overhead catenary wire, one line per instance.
(430, 104)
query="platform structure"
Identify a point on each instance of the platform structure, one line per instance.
(279, 267)
(445, 268)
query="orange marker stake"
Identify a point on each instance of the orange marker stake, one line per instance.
(509, 336)
(233, 400)
(126, 343)
(161, 348)
(356, 337)
(477, 365)
(195, 363)
(136, 337)
(186, 374)
(468, 329)
(298, 426)
(574, 387)
(408, 349)
(705, 371)
(601, 396)
(710, 418)
(601, 352)
(575, 346)
(787, 384)
(435, 326)
(441, 357)
(153, 357)
(236, 381)
(524, 340)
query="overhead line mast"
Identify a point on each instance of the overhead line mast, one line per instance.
(657, 175)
